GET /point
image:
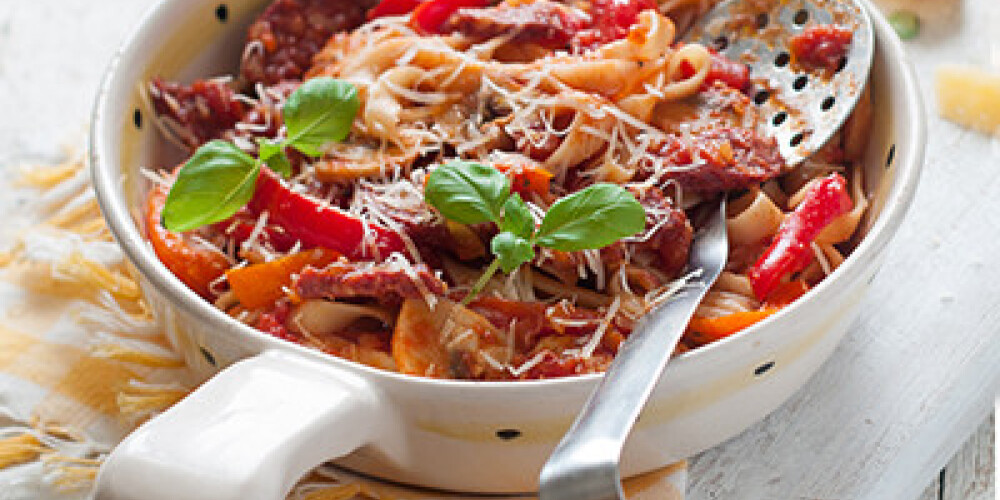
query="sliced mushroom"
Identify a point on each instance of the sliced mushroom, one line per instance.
(449, 341)
(319, 317)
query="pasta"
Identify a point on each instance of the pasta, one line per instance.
(557, 96)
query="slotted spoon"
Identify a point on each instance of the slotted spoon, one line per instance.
(803, 108)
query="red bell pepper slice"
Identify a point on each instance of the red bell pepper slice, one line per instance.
(790, 250)
(393, 8)
(241, 226)
(316, 224)
(429, 17)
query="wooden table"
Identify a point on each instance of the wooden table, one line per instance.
(914, 378)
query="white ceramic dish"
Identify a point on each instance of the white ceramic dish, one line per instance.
(274, 409)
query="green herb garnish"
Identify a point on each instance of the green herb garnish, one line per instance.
(471, 193)
(906, 24)
(219, 178)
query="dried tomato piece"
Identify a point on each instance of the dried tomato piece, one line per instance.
(202, 111)
(720, 159)
(283, 40)
(543, 22)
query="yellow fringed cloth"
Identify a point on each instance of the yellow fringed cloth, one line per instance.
(82, 360)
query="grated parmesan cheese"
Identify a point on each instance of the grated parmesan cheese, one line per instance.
(528, 365)
(598, 335)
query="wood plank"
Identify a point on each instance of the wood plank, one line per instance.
(933, 491)
(971, 473)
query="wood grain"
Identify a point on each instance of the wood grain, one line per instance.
(933, 492)
(971, 473)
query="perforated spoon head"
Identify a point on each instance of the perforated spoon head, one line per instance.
(803, 104)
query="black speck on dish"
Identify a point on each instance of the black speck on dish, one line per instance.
(222, 13)
(508, 434)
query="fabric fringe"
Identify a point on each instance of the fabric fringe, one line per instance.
(140, 399)
(125, 354)
(20, 449)
(48, 176)
(110, 306)
(70, 473)
(69, 460)
(93, 275)
(107, 313)
(77, 214)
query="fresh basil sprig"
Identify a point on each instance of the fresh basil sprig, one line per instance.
(468, 193)
(211, 186)
(219, 178)
(472, 193)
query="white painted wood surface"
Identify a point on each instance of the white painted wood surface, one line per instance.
(911, 382)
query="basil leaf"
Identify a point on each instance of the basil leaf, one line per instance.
(280, 164)
(517, 217)
(591, 218)
(511, 250)
(266, 148)
(273, 154)
(216, 182)
(466, 192)
(320, 111)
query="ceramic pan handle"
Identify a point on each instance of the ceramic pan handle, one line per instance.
(249, 433)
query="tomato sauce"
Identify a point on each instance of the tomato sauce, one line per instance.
(822, 46)
(612, 20)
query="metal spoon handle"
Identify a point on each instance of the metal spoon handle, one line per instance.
(584, 466)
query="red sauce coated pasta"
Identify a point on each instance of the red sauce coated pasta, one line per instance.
(346, 254)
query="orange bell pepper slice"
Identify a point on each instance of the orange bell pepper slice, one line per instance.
(260, 285)
(707, 330)
(195, 264)
(526, 178)
(785, 293)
